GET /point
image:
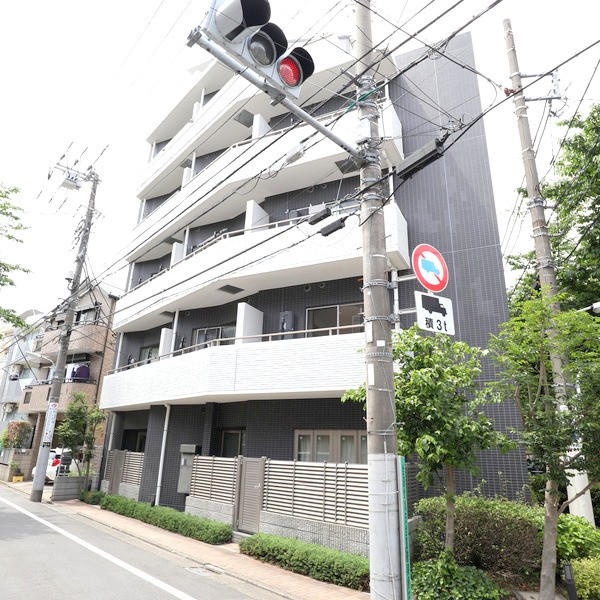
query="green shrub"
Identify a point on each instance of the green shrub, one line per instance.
(497, 536)
(577, 538)
(90, 497)
(444, 579)
(170, 519)
(586, 572)
(501, 537)
(318, 562)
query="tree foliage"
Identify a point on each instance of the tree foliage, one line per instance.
(561, 424)
(10, 225)
(575, 223)
(439, 413)
(16, 434)
(79, 428)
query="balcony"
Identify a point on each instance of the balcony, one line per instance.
(35, 399)
(220, 191)
(86, 338)
(280, 255)
(315, 367)
(213, 126)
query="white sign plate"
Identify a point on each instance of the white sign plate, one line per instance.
(434, 313)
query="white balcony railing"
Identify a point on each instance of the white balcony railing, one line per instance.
(260, 259)
(315, 367)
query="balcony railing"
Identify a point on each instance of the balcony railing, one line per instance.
(265, 337)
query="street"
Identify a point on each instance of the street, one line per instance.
(51, 553)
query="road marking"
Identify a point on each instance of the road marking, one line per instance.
(113, 559)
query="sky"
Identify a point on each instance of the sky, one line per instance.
(89, 81)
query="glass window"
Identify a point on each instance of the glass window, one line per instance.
(334, 316)
(148, 354)
(232, 443)
(319, 318)
(323, 448)
(347, 448)
(363, 450)
(304, 443)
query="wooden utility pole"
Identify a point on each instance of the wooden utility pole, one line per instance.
(384, 512)
(65, 336)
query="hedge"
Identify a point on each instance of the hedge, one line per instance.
(502, 537)
(318, 562)
(170, 519)
(586, 572)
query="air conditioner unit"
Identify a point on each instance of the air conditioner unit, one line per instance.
(9, 406)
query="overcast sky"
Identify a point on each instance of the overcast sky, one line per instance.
(83, 76)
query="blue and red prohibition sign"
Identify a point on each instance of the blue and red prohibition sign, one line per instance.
(430, 267)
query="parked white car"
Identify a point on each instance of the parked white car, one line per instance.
(54, 467)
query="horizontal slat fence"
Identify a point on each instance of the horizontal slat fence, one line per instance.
(214, 478)
(329, 492)
(134, 465)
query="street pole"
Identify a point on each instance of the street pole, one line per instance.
(65, 335)
(541, 236)
(384, 512)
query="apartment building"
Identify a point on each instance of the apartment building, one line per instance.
(34, 352)
(241, 326)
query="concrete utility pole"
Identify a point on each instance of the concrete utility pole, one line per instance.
(384, 513)
(73, 178)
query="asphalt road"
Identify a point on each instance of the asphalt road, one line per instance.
(48, 553)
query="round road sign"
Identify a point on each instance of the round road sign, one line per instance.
(430, 267)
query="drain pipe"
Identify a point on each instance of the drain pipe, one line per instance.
(161, 462)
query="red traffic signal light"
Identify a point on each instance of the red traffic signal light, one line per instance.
(243, 30)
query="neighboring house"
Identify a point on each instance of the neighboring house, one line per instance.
(241, 326)
(90, 356)
(16, 346)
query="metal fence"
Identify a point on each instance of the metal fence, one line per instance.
(328, 492)
(133, 466)
(215, 478)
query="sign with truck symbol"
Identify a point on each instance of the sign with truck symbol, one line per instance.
(430, 267)
(434, 313)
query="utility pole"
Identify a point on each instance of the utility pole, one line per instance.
(73, 179)
(541, 236)
(384, 499)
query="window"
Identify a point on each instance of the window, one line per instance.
(331, 317)
(148, 354)
(348, 446)
(210, 334)
(233, 443)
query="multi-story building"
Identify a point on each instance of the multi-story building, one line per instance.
(241, 326)
(90, 356)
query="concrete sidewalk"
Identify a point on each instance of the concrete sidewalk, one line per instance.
(226, 558)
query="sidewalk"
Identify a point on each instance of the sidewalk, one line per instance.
(225, 558)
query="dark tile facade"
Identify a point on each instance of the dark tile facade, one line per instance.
(449, 205)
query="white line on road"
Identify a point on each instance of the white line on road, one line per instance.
(113, 559)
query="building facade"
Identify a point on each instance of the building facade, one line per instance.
(241, 326)
(35, 350)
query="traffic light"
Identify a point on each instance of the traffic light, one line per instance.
(243, 30)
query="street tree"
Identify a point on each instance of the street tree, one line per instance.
(10, 225)
(575, 222)
(78, 430)
(561, 424)
(439, 412)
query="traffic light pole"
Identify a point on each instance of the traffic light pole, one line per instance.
(39, 479)
(198, 38)
(384, 499)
